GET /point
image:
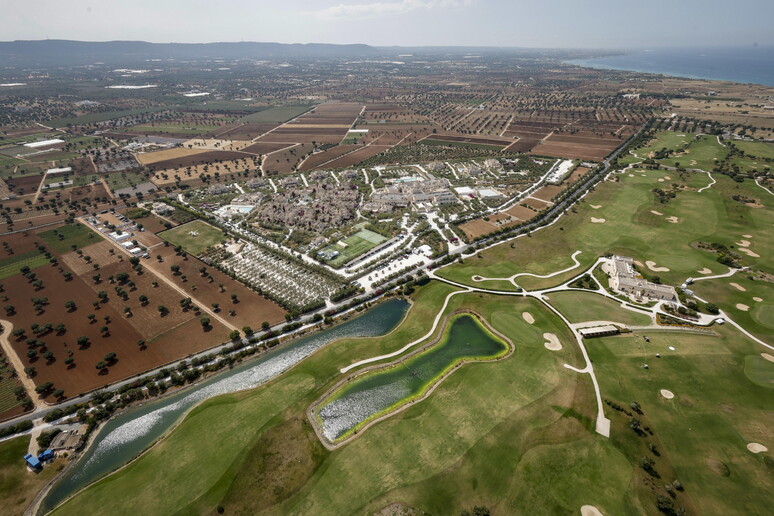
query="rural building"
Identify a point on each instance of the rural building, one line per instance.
(625, 279)
(160, 208)
(44, 143)
(58, 171)
(32, 461)
(599, 331)
(66, 440)
(46, 456)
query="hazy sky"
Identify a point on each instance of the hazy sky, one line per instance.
(524, 23)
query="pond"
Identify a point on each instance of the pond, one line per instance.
(128, 434)
(383, 390)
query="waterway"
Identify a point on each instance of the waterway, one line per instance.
(128, 434)
(385, 389)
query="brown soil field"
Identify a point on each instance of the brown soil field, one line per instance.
(147, 158)
(356, 157)
(548, 192)
(338, 124)
(290, 132)
(476, 228)
(265, 148)
(276, 137)
(319, 159)
(99, 254)
(571, 151)
(576, 174)
(89, 192)
(151, 223)
(522, 145)
(24, 185)
(282, 162)
(251, 310)
(472, 139)
(593, 141)
(121, 340)
(15, 132)
(534, 203)
(225, 168)
(18, 243)
(520, 212)
(167, 345)
(198, 159)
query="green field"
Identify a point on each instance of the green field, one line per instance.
(756, 149)
(204, 236)
(354, 246)
(17, 485)
(119, 180)
(174, 129)
(277, 114)
(703, 152)
(64, 238)
(588, 306)
(12, 266)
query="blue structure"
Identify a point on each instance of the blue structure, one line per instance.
(32, 461)
(46, 456)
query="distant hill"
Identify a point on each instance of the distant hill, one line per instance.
(69, 53)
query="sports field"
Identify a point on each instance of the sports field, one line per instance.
(353, 246)
(194, 236)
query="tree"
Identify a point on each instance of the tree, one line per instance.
(30, 371)
(143, 299)
(141, 344)
(247, 330)
(163, 310)
(111, 357)
(101, 365)
(70, 305)
(215, 307)
(234, 335)
(91, 317)
(83, 341)
(265, 325)
(175, 269)
(59, 393)
(32, 354)
(205, 322)
(234, 298)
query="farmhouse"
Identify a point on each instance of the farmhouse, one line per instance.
(625, 279)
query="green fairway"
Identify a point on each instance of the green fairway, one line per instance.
(277, 114)
(194, 236)
(632, 228)
(12, 266)
(715, 413)
(588, 306)
(64, 238)
(703, 152)
(668, 140)
(353, 246)
(756, 149)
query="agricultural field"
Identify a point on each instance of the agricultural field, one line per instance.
(277, 114)
(194, 236)
(353, 246)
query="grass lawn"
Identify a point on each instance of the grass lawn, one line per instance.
(12, 266)
(756, 149)
(64, 238)
(194, 236)
(277, 114)
(119, 180)
(588, 306)
(17, 485)
(716, 411)
(669, 140)
(355, 245)
(704, 153)
(8, 162)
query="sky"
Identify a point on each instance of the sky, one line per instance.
(501, 23)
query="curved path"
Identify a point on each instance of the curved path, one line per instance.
(700, 190)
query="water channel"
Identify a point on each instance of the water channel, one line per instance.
(126, 435)
(385, 389)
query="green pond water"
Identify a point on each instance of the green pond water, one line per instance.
(375, 392)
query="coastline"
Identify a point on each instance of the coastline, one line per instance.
(737, 65)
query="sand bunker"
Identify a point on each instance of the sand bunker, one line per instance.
(757, 448)
(631, 175)
(739, 287)
(660, 179)
(654, 212)
(747, 236)
(528, 317)
(768, 357)
(749, 253)
(757, 299)
(667, 178)
(596, 206)
(655, 268)
(590, 510)
(673, 220)
(597, 221)
(671, 348)
(667, 394)
(743, 243)
(705, 271)
(552, 342)
(742, 307)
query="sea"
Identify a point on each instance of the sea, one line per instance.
(751, 64)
